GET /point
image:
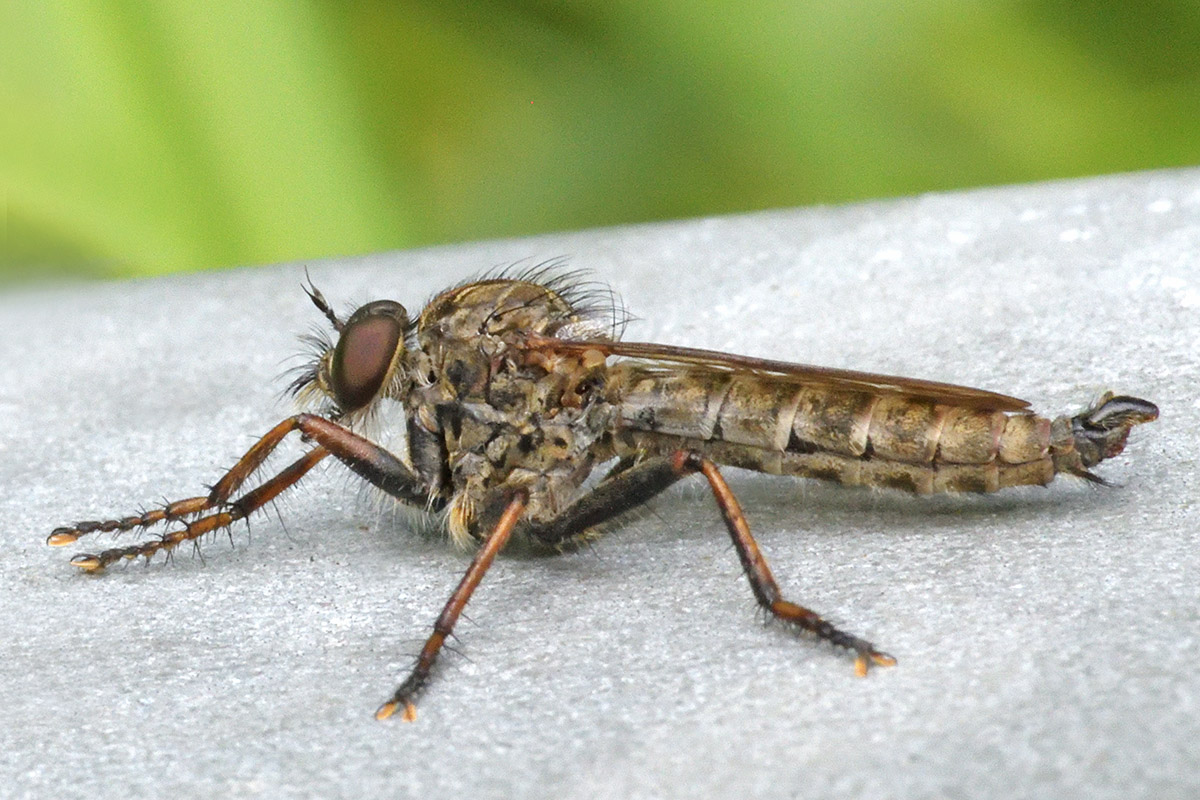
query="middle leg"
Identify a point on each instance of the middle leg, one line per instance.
(407, 691)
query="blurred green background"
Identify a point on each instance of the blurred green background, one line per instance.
(150, 137)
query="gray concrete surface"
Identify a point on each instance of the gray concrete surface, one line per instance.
(1047, 638)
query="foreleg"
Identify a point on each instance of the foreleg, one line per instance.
(365, 458)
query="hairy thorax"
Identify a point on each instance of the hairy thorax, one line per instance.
(488, 416)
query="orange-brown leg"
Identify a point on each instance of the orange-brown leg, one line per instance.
(407, 691)
(221, 491)
(763, 584)
(639, 483)
(238, 509)
(367, 459)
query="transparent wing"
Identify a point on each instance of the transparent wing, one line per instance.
(662, 355)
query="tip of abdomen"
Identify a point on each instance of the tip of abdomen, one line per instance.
(1100, 432)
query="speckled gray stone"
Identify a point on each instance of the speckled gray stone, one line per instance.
(1047, 638)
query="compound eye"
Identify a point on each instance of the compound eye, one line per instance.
(366, 353)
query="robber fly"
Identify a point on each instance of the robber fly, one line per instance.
(515, 387)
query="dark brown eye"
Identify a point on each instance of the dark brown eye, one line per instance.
(365, 352)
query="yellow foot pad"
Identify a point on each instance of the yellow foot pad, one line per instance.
(389, 708)
(861, 664)
(86, 562)
(62, 536)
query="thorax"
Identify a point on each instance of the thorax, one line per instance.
(488, 416)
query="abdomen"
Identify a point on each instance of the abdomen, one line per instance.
(776, 425)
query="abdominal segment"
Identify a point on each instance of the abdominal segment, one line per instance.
(773, 425)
